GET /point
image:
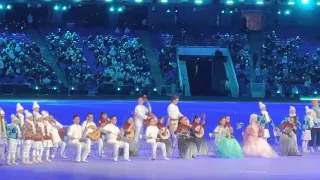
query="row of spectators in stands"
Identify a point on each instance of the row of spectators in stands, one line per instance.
(102, 59)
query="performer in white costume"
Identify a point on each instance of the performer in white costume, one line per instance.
(47, 139)
(38, 140)
(152, 133)
(173, 115)
(28, 134)
(264, 120)
(57, 142)
(20, 116)
(87, 123)
(141, 113)
(75, 135)
(306, 132)
(14, 133)
(3, 134)
(113, 133)
(36, 109)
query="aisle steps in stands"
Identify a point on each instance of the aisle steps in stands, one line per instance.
(152, 58)
(37, 38)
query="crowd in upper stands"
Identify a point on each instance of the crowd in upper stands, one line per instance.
(21, 61)
(91, 61)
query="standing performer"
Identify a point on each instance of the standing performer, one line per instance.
(265, 120)
(85, 126)
(47, 139)
(173, 115)
(165, 136)
(152, 133)
(141, 113)
(306, 133)
(56, 139)
(129, 132)
(113, 133)
(36, 109)
(20, 116)
(198, 133)
(315, 130)
(13, 133)
(28, 134)
(38, 139)
(75, 135)
(3, 134)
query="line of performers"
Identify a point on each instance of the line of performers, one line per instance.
(37, 133)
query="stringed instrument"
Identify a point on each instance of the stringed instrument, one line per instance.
(146, 122)
(96, 134)
(129, 132)
(62, 132)
(164, 133)
(199, 130)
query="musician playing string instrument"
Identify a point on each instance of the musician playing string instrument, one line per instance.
(90, 127)
(113, 134)
(198, 133)
(56, 138)
(103, 119)
(141, 113)
(75, 135)
(152, 133)
(173, 115)
(128, 130)
(164, 136)
(186, 143)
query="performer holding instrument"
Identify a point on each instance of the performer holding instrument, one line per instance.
(198, 133)
(75, 135)
(93, 133)
(173, 115)
(113, 133)
(141, 116)
(164, 136)
(128, 130)
(152, 133)
(186, 145)
(57, 137)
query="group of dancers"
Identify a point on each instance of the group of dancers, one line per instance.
(36, 132)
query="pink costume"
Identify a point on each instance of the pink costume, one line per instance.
(255, 145)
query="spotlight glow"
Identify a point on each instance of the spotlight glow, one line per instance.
(9, 6)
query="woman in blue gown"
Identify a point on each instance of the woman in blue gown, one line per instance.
(226, 145)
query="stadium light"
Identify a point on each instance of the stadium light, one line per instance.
(198, 2)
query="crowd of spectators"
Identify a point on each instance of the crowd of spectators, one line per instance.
(91, 61)
(21, 62)
(286, 70)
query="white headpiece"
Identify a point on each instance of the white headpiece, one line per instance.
(292, 108)
(14, 118)
(35, 105)
(27, 113)
(19, 107)
(37, 116)
(308, 109)
(44, 114)
(2, 112)
(261, 105)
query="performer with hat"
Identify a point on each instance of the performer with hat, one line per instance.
(20, 116)
(28, 134)
(38, 139)
(13, 134)
(3, 134)
(56, 139)
(315, 130)
(292, 113)
(265, 120)
(306, 133)
(47, 139)
(36, 109)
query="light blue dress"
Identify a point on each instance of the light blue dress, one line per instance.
(226, 147)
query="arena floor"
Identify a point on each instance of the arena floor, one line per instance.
(206, 167)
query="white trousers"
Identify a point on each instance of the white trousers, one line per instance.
(26, 148)
(120, 144)
(37, 148)
(19, 148)
(80, 146)
(13, 144)
(2, 149)
(62, 146)
(155, 145)
(99, 142)
(138, 132)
